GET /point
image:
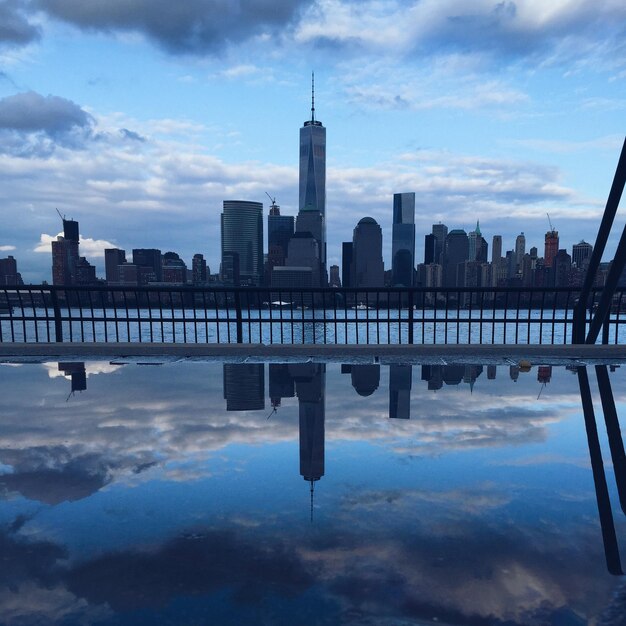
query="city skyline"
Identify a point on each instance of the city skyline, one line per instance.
(503, 112)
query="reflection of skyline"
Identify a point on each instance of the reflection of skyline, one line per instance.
(400, 382)
(244, 386)
(77, 373)
(239, 526)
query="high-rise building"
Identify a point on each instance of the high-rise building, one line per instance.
(303, 252)
(8, 272)
(151, 258)
(520, 250)
(456, 252)
(334, 280)
(65, 254)
(113, 258)
(551, 247)
(313, 175)
(280, 229)
(496, 249)
(242, 234)
(199, 271)
(403, 240)
(581, 253)
(440, 231)
(310, 223)
(430, 241)
(562, 265)
(367, 254)
(346, 263)
(473, 238)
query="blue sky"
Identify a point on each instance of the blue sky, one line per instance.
(139, 117)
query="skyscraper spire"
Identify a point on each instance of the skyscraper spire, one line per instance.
(312, 96)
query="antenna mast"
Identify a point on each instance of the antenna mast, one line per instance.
(312, 96)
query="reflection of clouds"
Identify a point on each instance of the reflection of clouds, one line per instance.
(472, 501)
(471, 572)
(91, 368)
(179, 421)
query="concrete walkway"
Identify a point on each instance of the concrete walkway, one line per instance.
(534, 354)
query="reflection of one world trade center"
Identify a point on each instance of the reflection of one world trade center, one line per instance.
(310, 387)
(310, 379)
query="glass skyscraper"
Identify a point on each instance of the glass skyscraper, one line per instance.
(242, 235)
(313, 176)
(403, 239)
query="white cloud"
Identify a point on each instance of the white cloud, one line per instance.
(6, 248)
(88, 247)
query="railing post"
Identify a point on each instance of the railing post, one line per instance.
(605, 328)
(58, 325)
(410, 315)
(238, 316)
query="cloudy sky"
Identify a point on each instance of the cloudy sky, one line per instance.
(139, 117)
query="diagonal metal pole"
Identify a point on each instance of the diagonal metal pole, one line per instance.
(578, 332)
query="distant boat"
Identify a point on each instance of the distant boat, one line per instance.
(362, 307)
(279, 304)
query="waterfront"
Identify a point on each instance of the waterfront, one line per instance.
(175, 493)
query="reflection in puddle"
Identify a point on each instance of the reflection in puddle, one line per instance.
(355, 494)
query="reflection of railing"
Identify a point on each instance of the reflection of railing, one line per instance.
(263, 315)
(618, 458)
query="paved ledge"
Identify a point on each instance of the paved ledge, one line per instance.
(137, 352)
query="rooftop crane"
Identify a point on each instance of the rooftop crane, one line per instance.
(550, 222)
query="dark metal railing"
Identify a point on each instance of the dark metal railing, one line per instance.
(45, 313)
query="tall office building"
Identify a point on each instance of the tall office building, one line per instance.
(403, 239)
(199, 270)
(520, 250)
(473, 239)
(280, 229)
(496, 249)
(456, 252)
(551, 247)
(242, 234)
(313, 177)
(367, 255)
(581, 253)
(113, 258)
(8, 272)
(430, 242)
(149, 258)
(346, 264)
(440, 231)
(65, 254)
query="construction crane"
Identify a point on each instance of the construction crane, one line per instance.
(550, 222)
(274, 208)
(59, 212)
